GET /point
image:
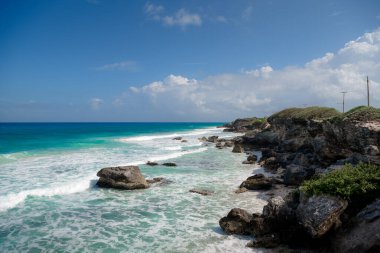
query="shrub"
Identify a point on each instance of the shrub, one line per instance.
(362, 113)
(349, 181)
(308, 113)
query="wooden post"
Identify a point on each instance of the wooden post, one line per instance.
(367, 92)
(344, 93)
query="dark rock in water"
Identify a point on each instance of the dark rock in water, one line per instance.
(259, 225)
(236, 222)
(151, 163)
(257, 182)
(201, 191)
(317, 215)
(252, 158)
(272, 209)
(248, 162)
(177, 138)
(169, 164)
(268, 241)
(123, 177)
(229, 144)
(184, 141)
(296, 174)
(212, 138)
(364, 234)
(219, 145)
(159, 181)
(238, 149)
(202, 139)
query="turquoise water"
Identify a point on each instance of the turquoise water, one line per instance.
(49, 201)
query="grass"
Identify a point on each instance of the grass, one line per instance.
(308, 113)
(349, 181)
(362, 113)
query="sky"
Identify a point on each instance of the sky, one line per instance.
(216, 60)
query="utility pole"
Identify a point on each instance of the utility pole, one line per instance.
(367, 92)
(344, 94)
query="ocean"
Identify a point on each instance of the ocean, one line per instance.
(49, 201)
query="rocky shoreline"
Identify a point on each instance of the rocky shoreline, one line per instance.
(298, 145)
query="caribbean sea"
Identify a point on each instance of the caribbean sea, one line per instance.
(49, 201)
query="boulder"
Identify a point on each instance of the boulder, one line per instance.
(219, 145)
(212, 138)
(318, 214)
(151, 163)
(236, 222)
(177, 138)
(229, 144)
(272, 209)
(169, 164)
(252, 158)
(238, 149)
(296, 174)
(257, 182)
(184, 141)
(202, 191)
(123, 177)
(364, 233)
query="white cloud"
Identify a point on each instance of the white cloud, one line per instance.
(124, 65)
(247, 12)
(181, 18)
(96, 103)
(265, 90)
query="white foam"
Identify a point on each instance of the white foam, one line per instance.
(172, 148)
(12, 199)
(163, 136)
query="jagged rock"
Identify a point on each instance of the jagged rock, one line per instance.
(123, 177)
(364, 234)
(169, 164)
(296, 174)
(202, 191)
(257, 182)
(151, 163)
(317, 215)
(212, 138)
(177, 138)
(238, 149)
(236, 222)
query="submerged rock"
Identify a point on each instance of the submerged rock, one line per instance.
(177, 138)
(257, 182)
(123, 177)
(236, 222)
(151, 163)
(169, 164)
(202, 191)
(317, 215)
(159, 181)
(184, 141)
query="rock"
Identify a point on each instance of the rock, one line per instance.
(229, 144)
(317, 215)
(203, 139)
(177, 138)
(123, 177)
(296, 174)
(202, 192)
(271, 164)
(159, 181)
(236, 222)
(372, 150)
(184, 141)
(268, 241)
(259, 225)
(169, 164)
(219, 145)
(241, 190)
(151, 163)
(364, 233)
(212, 138)
(238, 149)
(257, 182)
(248, 162)
(252, 158)
(272, 209)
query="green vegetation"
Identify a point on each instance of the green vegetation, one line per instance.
(349, 181)
(314, 112)
(362, 113)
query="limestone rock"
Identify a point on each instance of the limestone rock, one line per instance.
(123, 177)
(257, 182)
(236, 222)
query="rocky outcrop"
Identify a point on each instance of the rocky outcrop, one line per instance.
(201, 192)
(257, 182)
(169, 164)
(247, 124)
(317, 215)
(236, 222)
(363, 235)
(123, 177)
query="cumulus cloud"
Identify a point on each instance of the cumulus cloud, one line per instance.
(265, 90)
(181, 18)
(124, 65)
(96, 103)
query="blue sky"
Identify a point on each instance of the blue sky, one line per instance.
(100, 60)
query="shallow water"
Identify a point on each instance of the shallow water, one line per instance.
(49, 203)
